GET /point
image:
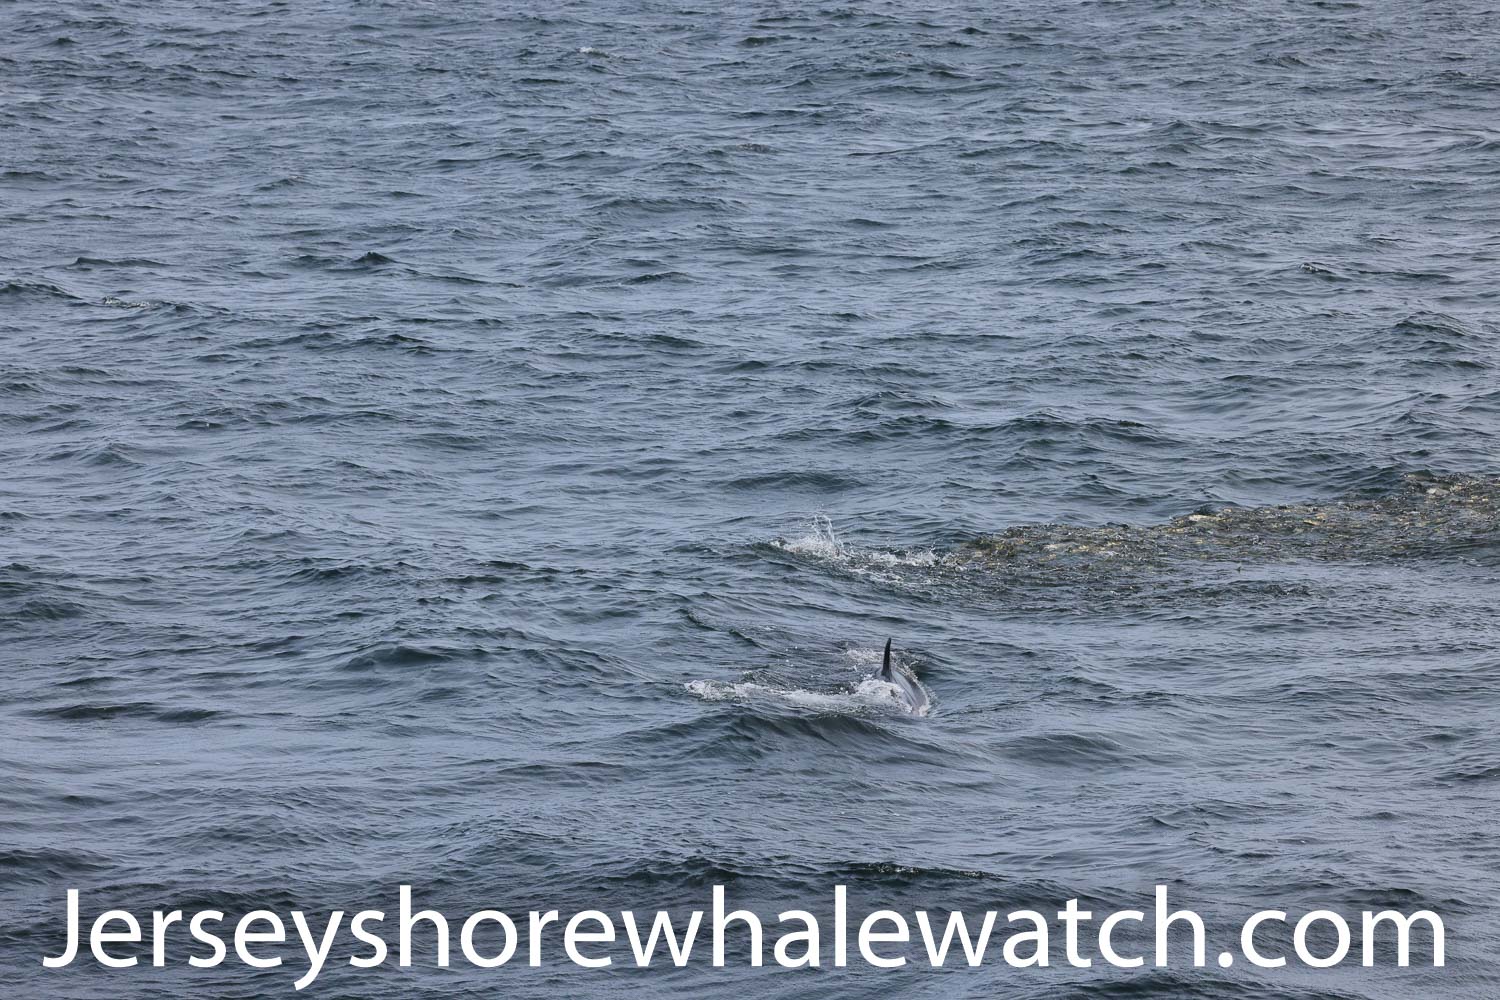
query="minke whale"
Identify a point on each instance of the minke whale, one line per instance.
(910, 691)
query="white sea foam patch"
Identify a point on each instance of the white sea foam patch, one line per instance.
(870, 694)
(818, 540)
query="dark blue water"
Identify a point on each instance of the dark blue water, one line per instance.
(484, 446)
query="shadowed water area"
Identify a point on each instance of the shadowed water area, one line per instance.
(485, 446)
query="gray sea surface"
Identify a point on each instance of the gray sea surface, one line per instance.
(484, 446)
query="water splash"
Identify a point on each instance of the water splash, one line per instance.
(820, 541)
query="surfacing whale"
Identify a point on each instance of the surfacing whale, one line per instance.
(911, 692)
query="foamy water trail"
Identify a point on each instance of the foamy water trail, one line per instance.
(867, 693)
(870, 694)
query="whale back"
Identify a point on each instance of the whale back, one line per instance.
(911, 692)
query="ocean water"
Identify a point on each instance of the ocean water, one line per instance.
(484, 446)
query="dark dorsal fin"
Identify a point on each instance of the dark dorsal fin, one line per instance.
(885, 670)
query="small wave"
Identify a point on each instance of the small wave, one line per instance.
(106, 453)
(811, 481)
(1321, 270)
(90, 262)
(1063, 749)
(86, 712)
(43, 609)
(35, 290)
(118, 303)
(656, 276)
(279, 184)
(369, 261)
(44, 865)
